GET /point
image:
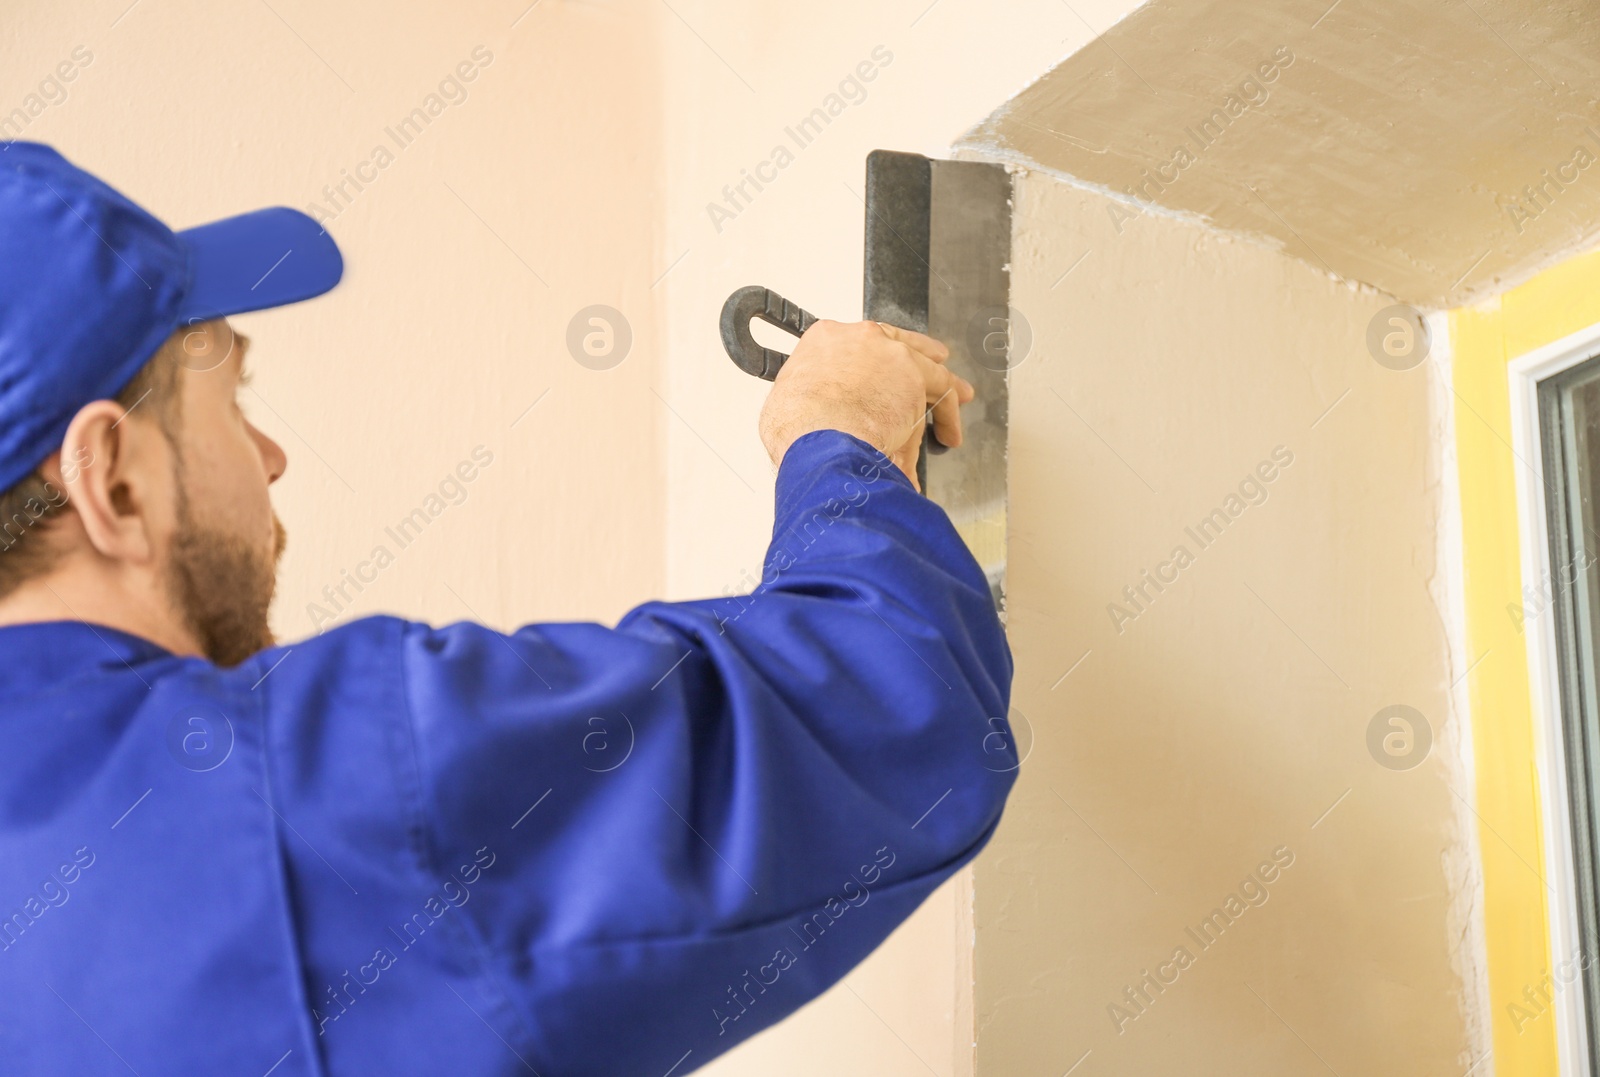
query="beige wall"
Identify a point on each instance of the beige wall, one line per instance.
(1221, 722)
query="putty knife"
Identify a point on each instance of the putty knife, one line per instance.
(938, 252)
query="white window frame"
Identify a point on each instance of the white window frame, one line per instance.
(1526, 372)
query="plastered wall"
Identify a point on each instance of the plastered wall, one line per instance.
(1205, 745)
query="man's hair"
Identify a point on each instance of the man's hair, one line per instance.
(28, 509)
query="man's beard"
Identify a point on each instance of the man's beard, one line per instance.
(222, 586)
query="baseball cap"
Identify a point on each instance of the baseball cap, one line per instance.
(91, 286)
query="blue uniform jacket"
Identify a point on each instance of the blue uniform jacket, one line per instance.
(571, 850)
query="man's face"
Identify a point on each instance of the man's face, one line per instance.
(222, 562)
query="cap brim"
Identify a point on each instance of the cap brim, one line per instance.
(268, 258)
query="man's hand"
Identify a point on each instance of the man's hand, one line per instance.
(870, 380)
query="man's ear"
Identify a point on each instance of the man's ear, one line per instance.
(117, 473)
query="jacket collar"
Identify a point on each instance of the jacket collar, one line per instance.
(47, 652)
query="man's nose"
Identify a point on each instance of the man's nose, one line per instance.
(273, 458)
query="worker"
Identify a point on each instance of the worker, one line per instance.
(397, 849)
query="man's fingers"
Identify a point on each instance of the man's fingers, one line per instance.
(945, 409)
(918, 342)
(946, 392)
(878, 382)
(940, 379)
(947, 419)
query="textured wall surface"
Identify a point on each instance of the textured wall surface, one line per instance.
(1438, 151)
(1220, 720)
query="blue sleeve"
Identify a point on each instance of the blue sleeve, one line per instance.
(698, 821)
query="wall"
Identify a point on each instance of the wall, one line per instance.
(1179, 743)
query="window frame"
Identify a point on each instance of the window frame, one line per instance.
(1536, 379)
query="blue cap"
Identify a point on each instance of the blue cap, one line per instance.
(91, 286)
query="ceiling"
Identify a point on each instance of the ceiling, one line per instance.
(1440, 152)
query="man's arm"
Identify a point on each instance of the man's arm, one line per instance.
(735, 800)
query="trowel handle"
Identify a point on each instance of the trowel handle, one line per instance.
(754, 301)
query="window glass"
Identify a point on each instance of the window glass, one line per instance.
(1570, 424)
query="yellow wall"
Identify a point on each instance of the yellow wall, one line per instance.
(1553, 305)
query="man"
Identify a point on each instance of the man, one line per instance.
(395, 849)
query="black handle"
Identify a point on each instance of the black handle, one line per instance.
(754, 301)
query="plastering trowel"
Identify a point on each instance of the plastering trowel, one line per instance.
(938, 248)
